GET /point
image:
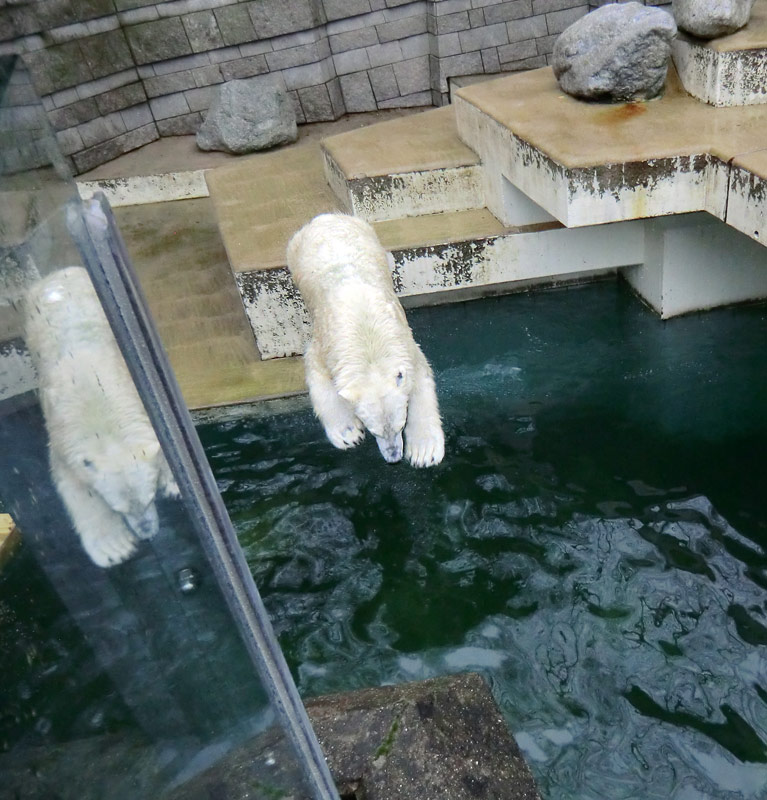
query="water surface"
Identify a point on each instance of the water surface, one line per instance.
(594, 543)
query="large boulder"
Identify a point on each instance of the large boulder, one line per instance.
(617, 53)
(710, 18)
(248, 115)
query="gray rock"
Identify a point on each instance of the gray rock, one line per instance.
(617, 53)
(248, 115)
(710, 18)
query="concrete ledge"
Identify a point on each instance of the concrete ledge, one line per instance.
(729, 70)
(538, 252)
(590, 163)
(440, 739)
(732, 78)
(404, 168)
(143, 189)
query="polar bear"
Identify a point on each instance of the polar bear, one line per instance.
(105, 459)
(363, 367)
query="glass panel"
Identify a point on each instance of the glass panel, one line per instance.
(135, 656)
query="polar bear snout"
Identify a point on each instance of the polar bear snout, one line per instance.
(144, 524)
(391, 447)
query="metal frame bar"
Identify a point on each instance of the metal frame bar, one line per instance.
(95, 232)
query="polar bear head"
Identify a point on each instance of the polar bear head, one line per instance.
(126, 476)
(380, 401)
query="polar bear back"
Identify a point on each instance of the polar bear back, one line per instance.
(342, 272)
(332, 253)
(78, 362)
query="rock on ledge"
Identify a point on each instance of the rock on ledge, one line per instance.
(248, 115)
(617, 53)
(708, 19)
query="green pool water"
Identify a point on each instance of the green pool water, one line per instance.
(594, 542)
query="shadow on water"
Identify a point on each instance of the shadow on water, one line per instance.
(594, 542)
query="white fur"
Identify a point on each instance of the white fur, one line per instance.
(363, 367)
(105, 459)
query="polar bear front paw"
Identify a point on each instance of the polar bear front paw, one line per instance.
(346, 436)
(425, 447)
(107, 548)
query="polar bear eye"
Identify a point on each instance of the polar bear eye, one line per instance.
(87, 463)
(400, 377)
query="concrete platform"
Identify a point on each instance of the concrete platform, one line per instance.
(730, 70)
(439, 739)
(399, 169)
(173, 167)
(194, 301)
(588, 163)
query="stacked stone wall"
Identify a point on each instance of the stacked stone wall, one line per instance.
(117, 74)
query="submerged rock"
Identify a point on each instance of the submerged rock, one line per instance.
(248, 115)
(710, 18)
(618, 53)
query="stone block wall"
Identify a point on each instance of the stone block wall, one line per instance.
(117, 74)
(24, 131)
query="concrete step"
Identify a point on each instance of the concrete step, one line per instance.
(472, 256)
(729, 70)
(591, 163)
(403, 168)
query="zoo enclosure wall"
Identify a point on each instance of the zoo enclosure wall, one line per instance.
(117, 74)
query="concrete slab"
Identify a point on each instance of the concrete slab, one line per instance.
(194, 301)
(730, 70)
(427, 141)
(173, 167)
(588, 163)
(261, 203)
(440, 739)
(403, 168)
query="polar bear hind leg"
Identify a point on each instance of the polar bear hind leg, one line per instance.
(104, 535)
(336, 415)
(424, 438)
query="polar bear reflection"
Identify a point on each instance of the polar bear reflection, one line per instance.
(105, 459)
(363, 367)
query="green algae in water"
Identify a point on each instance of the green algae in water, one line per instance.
(594, 542)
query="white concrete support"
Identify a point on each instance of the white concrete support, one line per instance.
(695, 262)
(516, 207)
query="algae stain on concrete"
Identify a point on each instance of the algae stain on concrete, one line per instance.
(386, 746)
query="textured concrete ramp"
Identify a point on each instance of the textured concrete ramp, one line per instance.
(192, 295)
